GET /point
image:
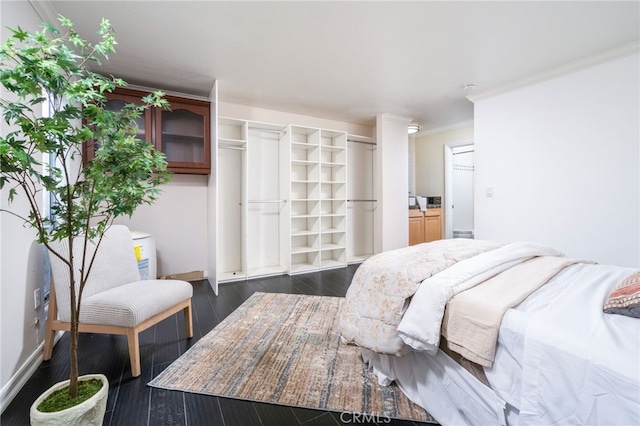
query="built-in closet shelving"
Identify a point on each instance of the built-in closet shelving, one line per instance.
(318, 194)
(304, 184)
(361, 199)
(333, 199)
(291, 199)
(250, 203)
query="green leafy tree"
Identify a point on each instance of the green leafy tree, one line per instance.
(54, 68)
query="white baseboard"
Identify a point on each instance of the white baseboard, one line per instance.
(24, 373)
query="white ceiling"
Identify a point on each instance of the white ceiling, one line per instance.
(351, 60)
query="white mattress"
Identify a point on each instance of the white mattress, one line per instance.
(559, 360)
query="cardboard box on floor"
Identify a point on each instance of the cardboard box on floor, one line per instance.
(186, 276)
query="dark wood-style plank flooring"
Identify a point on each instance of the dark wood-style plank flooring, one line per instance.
(132, 402)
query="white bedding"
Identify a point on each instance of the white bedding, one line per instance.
(580, 365)
(559, 360)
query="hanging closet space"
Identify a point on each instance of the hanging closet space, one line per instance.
(249, 202)
(361, 201)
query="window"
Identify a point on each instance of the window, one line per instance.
(48, 200)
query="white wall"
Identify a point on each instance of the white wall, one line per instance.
(392, 185)
(21, 260)
(178, 221)
(563, 159)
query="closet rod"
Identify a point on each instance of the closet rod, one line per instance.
(238, 148)
(366, 143)
(267, 201)
(261, 129)
(363, 201)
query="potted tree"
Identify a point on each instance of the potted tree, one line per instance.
(52, 68)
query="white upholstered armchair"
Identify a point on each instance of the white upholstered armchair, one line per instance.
(115, 300)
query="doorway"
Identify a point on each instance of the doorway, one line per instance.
(458, 197)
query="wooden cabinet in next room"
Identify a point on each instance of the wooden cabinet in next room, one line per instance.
(416, 227)
(424, 226)
(432, 225)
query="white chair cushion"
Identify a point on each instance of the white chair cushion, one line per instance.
(114, 265)
(130, 304)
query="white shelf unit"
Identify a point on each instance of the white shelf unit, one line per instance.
(333, 199)
(304, 195)
(251, 204)
(361, 197)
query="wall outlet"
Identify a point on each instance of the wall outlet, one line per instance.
(36, 298)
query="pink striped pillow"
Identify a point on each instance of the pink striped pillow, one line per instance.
(625, 299)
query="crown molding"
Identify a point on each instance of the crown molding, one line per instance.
(396, 118)
(433, 131)
(570, 67)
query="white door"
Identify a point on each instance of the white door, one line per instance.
(458, 189)
(462, 196)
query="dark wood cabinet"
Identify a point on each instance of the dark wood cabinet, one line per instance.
(181, 133)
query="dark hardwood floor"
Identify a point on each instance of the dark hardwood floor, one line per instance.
(132, 402)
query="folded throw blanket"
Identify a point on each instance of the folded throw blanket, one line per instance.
(472, 317)
(422, 321)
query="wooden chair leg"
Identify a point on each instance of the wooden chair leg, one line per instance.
(52, 315)
(49, 337)
(188, 321)
(134, 352)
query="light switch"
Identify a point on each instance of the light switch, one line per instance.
(36, 298)
(489, 191)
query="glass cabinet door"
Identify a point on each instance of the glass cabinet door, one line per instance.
(144, 129)
(183, 136)
(115, 102)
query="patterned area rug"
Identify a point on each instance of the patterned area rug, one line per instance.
(285, 349)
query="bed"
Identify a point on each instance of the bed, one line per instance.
(478, 332)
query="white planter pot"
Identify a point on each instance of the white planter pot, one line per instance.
(90, 412)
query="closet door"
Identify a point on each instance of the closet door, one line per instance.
(231, 204)
(361, 198)
(265, 203)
